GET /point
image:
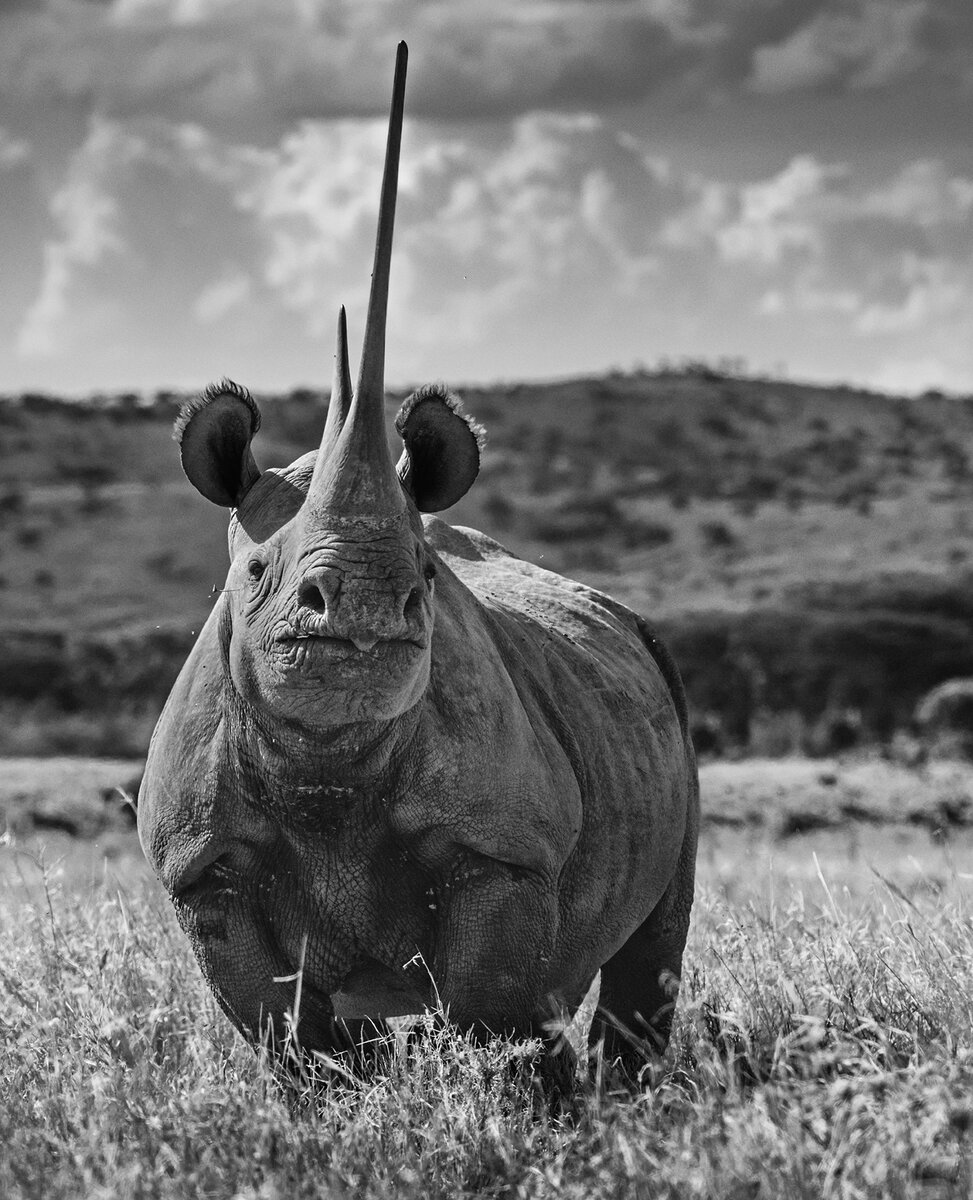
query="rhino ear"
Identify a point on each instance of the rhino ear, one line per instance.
(442, 448)
(214, 432)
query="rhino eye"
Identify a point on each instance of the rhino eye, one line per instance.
(255, 569)
(429, 572)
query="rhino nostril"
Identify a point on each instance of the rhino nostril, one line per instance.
(319, 589)
(309, 595)
(412, 601)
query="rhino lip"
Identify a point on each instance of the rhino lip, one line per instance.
(327, 640)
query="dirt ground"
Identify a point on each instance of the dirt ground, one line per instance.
(766, 823)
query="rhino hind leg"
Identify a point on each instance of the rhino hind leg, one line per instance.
(640, 982)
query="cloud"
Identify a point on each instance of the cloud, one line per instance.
(558, 202)
(761, 222)
(923, 193)
(250, 70)
(222, 296)
(887, 260)
(932, 289)
(161, 227)
(778, 215)
(13, 151)
(86, 215)
(861, 43)
(262, 64)
(552, 236)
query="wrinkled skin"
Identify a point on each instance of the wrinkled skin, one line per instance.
(495, 800)
(400, 766)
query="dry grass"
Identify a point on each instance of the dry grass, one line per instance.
(823, 1047)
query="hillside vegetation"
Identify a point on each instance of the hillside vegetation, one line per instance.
(805, 550)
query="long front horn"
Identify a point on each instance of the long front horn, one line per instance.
(354, 476)
(371, 371)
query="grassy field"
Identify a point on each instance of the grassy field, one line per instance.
(823, 1045)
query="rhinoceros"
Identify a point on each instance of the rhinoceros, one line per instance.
(403, 768)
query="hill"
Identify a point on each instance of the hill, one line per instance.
(806, 550)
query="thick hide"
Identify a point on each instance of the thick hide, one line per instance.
(494, 845)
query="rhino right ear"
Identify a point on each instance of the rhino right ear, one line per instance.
(214, 432)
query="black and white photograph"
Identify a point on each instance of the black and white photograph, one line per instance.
(486, 599)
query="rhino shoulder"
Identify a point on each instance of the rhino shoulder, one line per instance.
(192, 781)
(459, 542)
(584, 616)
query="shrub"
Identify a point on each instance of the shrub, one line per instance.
(717, 535)
(501, 511)
(30, 536)
(645, 535)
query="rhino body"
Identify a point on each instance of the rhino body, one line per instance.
(402, 767)
(531, 819)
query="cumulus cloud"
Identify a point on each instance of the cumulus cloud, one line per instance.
(925, 194)
(538, 225)
(13, 151)
(931, 289)
(886, 259)
(222, 296)
(778, 215)
(85, 214)
(492, 232)
(558, 201)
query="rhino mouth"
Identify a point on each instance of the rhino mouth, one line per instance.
(304, 644)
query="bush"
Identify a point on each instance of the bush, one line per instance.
(30, 536)
(646, 535)
(501, 511)
(721, 426)
(11, 501)
(717, 535)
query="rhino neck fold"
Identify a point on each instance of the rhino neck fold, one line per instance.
(360, 753)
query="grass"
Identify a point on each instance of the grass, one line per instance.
(823, 1047)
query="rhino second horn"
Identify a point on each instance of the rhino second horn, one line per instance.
(341, 397)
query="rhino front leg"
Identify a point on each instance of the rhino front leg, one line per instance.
(254, 981)
(495, 940)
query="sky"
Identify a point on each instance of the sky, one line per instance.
(189, 188)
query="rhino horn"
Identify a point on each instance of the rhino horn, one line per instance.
(341, 396)
(354, 476)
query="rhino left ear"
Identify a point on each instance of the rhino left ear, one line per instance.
(442, 448)
(214, 432)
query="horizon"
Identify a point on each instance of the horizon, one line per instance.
(730, 369)
(190, 190)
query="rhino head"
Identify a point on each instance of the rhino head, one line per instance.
(330, 589)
